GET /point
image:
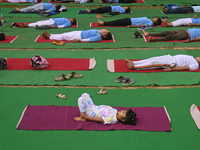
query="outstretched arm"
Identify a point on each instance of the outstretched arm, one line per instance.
(177, 68)
(74, 2)
(135, 26)
(96, 119)
(195, 39)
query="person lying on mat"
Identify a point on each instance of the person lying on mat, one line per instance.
(182, 10)
(168, 62)
(118, 1)
(190, 35)
(74, 1)
(132, 22)
(108, 9)
(2, 36)
(104, 114)
(183, 22)
(40, 8)
(23, 1)
(53, 23)
(91, 35)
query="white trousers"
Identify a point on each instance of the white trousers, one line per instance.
(16, 1)
(68, 36)
(179, 22)
(49, 22)
(166, 61)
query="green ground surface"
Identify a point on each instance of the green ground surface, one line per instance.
(184, 134)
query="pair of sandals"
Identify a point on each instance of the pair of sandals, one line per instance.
(58, 42)
(60, 95)
(127, 81)
(67, 77)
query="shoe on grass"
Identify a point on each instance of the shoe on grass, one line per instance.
(121, 79)
(128, 82)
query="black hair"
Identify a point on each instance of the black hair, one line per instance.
(130, 118)
(104, 1)
(128, 10)
(2, 36)
(159, 21)
(91, 1)
(108, 36)
(58, 7)
(74, 22)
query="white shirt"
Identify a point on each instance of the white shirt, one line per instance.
(81, 1)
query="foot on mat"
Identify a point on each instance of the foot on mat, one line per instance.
(102, 92)
(121, 79)
(61, 96)
(128, 82)
(61, 78)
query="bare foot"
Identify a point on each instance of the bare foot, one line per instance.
(100, 23)
(24, 24)
(17, 9)
(79, 119)
(151, 39)
(87, 10)
(126, 60)
(145, 33)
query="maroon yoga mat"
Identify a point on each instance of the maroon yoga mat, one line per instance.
(62, 118)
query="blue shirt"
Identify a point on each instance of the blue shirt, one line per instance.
(62, 22)
(117, 8)
(114, 1)
(194, 33)
(195, 21)
(31, 1)
(142, 20)
(49, 6)
(92, 34)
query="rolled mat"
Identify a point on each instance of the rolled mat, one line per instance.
(54, 64)
(62, 118)
(146, 38)
(121, 66)
(41, 39)
(138, 1)
(195, 113)
(9, 39)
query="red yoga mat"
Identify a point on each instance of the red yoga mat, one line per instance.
(121, 66)
(9, 39)
(41, 39)
(195, 113)
(54, 64)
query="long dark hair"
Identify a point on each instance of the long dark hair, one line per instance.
(130, 118)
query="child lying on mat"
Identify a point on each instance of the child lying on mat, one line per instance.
(108, 9)
(23, 1)
(91, 35)
(190, 35)
(168, 62)
(73, 1)
(182, 10)
(105, 114)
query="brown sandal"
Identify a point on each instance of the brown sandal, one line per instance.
(62, 78)
(59, 95)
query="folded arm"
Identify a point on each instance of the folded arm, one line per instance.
(96, 119)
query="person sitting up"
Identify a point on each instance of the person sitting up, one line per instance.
(182, 10)
(40, 8)
(183, 22)
(190, 35)
(91, 35)
(53, 23)
(2, 36)
(168, 62)
(74, 1)
(132, 22)
(103, 113)
(108, 9)
(23, 1)
(118, 1)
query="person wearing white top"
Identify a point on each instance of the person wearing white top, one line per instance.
(74, 1)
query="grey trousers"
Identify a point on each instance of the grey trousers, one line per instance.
(171, 35)
(34, 8)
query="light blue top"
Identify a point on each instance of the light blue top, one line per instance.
(196, 8)
(142, 20)
(62, 22)
(195, 20)
(31, 1)
(114, 1)
(194, 33)
(117, 8)
(93, 35)
(49, 6)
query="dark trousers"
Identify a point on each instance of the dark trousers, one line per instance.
(127, 1)
(101, 10)
(171, 35)
(65, 1)
(119, 22)
(183, 10)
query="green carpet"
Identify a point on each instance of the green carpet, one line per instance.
(99, 76)
(184, 134)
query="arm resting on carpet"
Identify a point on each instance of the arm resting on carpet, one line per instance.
(135, 26)
(195, 39)
(177, 68)
(96, 119)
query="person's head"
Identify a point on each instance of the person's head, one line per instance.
(127, 9)
(73, 21)
(127, 117)
(105, 34)
(198, 59)
(105, 1)
(39, 1)
(89, 1)
(57, 7)
(156, 21)
(2, 36)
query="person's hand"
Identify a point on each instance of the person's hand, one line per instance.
(83, 115)
(76, 41)
(128, 26)
(189, 25)
(167, 69)
(42, 12)
(187, 41)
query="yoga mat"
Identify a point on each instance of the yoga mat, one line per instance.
(138, 1)
(18, 24)
(121, 66)
(2, 24)
(9, 39)
(85, 12)
(62, 118)
(146, 38)
(195, 113)
(54, 64)
(42, 39)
